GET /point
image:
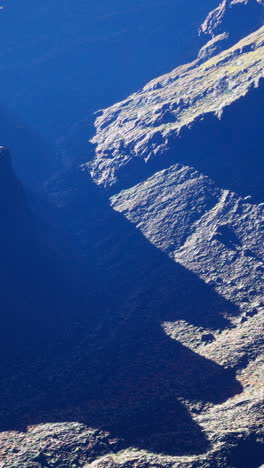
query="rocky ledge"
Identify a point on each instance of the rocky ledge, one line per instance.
(140, 128)
(171, 166)
(181, 162)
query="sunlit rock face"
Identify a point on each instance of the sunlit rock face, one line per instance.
(168, 214)
(164, 119)
(181, 160)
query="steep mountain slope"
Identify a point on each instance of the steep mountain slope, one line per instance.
(62, 60)
(86, 378)
(168, 214)
(148, 125)
(34, 159)
(38, 296)
(207, 114)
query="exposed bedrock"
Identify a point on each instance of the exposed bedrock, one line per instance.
(229, 149)
(237, 18)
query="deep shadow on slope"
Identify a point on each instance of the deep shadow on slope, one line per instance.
(247, 452)
(33, 158)
(71, 58)
(123, 375)
(229, 150)
(39, 288)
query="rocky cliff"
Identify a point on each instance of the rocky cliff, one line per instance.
(104, 51)
(167, 214)
(138, 131)
(205, 213)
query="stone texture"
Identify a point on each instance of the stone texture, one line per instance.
(236, 17)
(133, 133)
(172, 375)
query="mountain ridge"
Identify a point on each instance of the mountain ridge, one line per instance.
(167, 111)
(170, 244)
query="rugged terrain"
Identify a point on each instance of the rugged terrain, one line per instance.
(60, 61)
(163, 364)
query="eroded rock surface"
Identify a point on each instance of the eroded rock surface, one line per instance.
(199, 223)
(171, 374)
(235, 17)
(133, 133)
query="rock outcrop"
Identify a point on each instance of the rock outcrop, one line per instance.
(168, 215)
(237, 18)
(137, 132)
(198, 222)
(231, 21)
